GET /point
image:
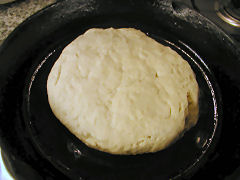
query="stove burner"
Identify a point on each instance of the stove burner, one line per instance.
(229, 11)
(224, 13)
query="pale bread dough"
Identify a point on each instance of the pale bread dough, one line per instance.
(121, 92)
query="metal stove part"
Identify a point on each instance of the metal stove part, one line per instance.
(4, 174)
(229, 11)
(221, 12)
(211, 10)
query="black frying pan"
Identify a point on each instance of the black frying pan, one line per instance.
(37, 146)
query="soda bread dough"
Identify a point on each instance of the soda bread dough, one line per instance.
(121, 92)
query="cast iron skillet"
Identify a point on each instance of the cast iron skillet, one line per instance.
(37, 146)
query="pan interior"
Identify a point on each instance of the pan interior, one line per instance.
(75, 159)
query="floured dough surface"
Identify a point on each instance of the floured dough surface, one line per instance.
(121, 92)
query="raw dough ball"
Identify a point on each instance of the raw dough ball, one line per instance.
(122, 92)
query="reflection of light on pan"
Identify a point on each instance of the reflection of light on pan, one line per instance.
(4, 174)
(204, 144)
(72, 148)
(208, 82)
(35, 72)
